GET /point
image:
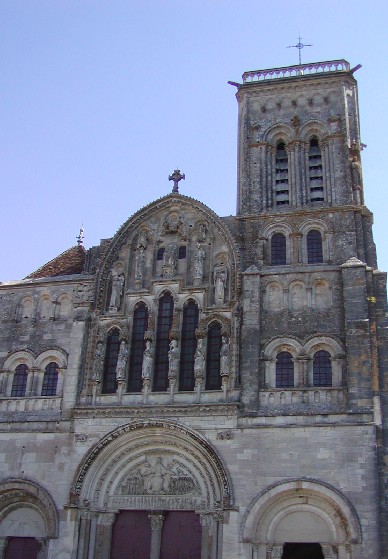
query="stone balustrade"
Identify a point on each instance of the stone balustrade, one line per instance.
(31, 404)
(297, 70)
(303, 400)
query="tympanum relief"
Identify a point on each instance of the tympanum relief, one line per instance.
(158, 480)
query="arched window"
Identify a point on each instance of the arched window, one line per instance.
(188, 346)
(19, 382)
(315, 172)
(165, 315)
(281, 175)
(284, 370)
(112, 352)
(314, 247)
(214, 341)
(322, 371)
(140, 322)
(50, 380)
(278, 249)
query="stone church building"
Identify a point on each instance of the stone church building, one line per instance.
(205, 387)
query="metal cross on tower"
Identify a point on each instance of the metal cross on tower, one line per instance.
(176, 177)
(299, 46)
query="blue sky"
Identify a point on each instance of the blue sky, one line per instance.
(101, 100)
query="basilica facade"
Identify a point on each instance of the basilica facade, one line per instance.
(205, 387)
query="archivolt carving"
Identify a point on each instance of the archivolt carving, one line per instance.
(153, 464)
(268, 508)
(17, 493)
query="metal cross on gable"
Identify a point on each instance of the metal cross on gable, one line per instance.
(299, 45)
(176, 177)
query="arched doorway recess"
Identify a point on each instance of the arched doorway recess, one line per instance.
(303, 516)
(28, 520)
(154, 473)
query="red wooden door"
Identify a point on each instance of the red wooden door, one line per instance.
(21, 548)
(181, 536)
(131, 535)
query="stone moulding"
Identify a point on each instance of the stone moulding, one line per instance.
(175, 434)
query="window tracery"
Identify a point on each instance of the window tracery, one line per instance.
(140, 324)
(50, 379)
(188, 346)
(19, 383)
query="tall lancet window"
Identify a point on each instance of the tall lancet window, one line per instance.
(315, 172)
(314, 247)
(278, 249)
(213, 360)
(165, 315)
(282, 197)
(50, 379)
(140, 323)
(322, 373)
(19, 383)
(111, 355)
(188, 346)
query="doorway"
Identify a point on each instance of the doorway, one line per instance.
(302, 551)
(17, 548)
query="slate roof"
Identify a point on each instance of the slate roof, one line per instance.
(71, 261)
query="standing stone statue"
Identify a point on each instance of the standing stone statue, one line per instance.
(122, 361)
(199, 360)
(173, 360)
(146, 371)
(224, 355)
(220, 277)
(117, 290)
(98, 362)
(198, 261)
(170, 259)
(139, 264)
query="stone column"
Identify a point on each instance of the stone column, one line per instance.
(156, 519)
(295, 256)
(3, 545)
(206, 524)
(104, 535)
(92, 534)
(83, 537)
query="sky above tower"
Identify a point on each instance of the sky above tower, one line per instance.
(101, 100)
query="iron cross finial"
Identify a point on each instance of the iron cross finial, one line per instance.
(299, 45)
(176, 177)
(80, 238)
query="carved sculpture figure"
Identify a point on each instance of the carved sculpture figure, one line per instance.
(139, 263)
(157, 477)
(220, 277)
(199, 360)
(170, 259)
(98, 362)
(146, 370)
(117, 290)
(198, 261)
(224, 355)
(173, 360)
(142, 240)
(201, 233)
(122, 361)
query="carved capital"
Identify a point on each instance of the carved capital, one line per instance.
(156, 519)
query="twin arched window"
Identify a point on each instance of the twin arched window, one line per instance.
(50, 380)
(281, 175)
(322, 369)
(315, 173)
(314, 248)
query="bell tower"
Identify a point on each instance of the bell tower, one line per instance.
(299, 139)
